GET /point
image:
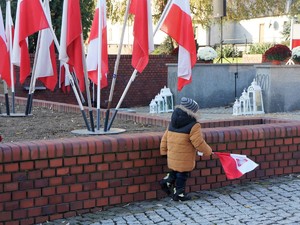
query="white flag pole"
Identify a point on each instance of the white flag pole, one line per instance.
(33, 76)
(132, 78)
(8, 27)
(6, 98)
(99, 74)
(116, 66)
(163, 16)
(87, 86)
(69, 75)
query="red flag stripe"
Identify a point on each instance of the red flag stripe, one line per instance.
(141, 45)
(71, 46)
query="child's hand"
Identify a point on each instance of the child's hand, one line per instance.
(199, 153)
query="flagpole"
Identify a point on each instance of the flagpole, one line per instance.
(99, 74)
(163, 16)
(33, 77)
(132, 78)
(87, 87)
(68, 73)
(6, 98)
(116, 67)
(8, 18)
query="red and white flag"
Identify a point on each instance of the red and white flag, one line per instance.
(295, 35)
(235, 165)
(46, 70)
(93, 61)
(142, 32)
(30, 18)
(4, 54)
(178, 25)
(71, 50)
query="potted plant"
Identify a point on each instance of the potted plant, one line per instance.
(296, 54)
(278, 53)
(206, 54)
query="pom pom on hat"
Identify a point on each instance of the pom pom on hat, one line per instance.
(189, 104)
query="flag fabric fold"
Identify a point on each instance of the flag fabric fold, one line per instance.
(27, 23)
(46, 70)
(142, 32)
(178, 24)
(71, 50)
(4, 54)
(235, 165)
(92, 59)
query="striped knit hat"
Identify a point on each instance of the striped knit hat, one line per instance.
(189, 104)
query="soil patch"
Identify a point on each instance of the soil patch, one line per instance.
(45, 123)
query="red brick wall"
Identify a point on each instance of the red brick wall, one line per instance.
(142, 91)
(52, 179)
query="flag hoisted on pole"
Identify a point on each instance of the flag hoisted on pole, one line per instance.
(177, 23)
(142, 32)
(235, 165)
(27, 23)
(142, 44)
(45, 68)
(116, 67)
(4, 54)
(4, 62)
(70, 51)
(93, 61)
(97, 57)
(9, 28)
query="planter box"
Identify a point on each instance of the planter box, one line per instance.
(252, 58)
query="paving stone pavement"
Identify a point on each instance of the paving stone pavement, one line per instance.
(271, 201)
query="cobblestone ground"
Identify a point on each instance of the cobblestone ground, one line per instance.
(273, 201)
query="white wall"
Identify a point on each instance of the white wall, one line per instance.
(243, 31)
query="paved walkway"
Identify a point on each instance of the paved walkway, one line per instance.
(272, 201)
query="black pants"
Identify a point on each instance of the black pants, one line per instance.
(178, 178)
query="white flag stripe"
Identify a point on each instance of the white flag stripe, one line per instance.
(92, 56)
(184, 7)
(184, 63)
(2, 30)
(150, 28)
(43, 62)
(63, 56)
(16, 52)
(244, 164)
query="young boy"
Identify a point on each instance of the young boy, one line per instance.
(180, 142)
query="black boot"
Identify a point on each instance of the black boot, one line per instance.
(166, 183)
(180, 195)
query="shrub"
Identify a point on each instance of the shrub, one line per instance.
(278, 52)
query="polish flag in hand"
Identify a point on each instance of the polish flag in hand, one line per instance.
(178, 25)
(235, 165)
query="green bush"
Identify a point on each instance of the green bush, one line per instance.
(259, 48)
(228, 51)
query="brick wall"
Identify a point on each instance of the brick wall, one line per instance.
(144, 88)
(52, 179)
